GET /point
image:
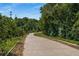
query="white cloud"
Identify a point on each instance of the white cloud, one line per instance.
(28, 13)
(1, 11)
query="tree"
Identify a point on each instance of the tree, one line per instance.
(10, 28)
(58, 19)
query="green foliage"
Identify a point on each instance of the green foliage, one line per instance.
(60, 20)
(6, 45)
(16, 27)
(10, 29)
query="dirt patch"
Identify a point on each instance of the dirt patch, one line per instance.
(18, 50)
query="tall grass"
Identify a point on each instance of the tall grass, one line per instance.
(7, 44)
(57, 38)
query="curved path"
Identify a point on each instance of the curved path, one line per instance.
(39, 46)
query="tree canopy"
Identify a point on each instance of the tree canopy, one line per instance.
(16, 27)
(60, 20)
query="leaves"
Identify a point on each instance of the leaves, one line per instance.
(16, 27)
(60, 16)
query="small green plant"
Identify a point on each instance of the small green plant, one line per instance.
(6, 45)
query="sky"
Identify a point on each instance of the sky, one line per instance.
(30, 10)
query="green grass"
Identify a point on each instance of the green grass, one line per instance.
(57, 38)
(7, 44)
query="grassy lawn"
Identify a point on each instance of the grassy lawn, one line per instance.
(7, 44)
(66, 41)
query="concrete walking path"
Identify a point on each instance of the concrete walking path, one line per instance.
(39, 46)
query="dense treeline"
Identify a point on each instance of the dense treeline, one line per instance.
(16, 27)
(60, 20)
(56, 20)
